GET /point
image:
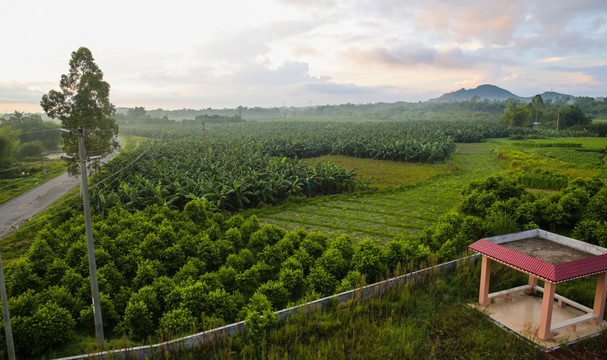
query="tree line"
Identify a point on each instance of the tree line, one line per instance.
(26, 136)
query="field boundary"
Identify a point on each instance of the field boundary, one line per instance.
(192, 341)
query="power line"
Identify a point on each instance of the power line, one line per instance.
(19, 229)
(139, 156)
(16, 167)
(35, 131)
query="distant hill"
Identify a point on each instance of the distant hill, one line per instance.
(489, 92)
(553, 96)
(492, 92)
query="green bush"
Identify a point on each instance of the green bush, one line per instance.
(31, 149)
(176, 322)
(48, 326)
(321, 281)
(368, 260)
(591, 231)
(138, 321)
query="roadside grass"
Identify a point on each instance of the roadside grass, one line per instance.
(429, 319)
(17, 243)
(430, 191)
(32, 176)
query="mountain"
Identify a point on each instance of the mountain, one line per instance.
(492, 92)
(553, 96)
(487, 91)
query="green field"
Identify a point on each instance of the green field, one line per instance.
(384, 214)
(383, 174)
(430, 190)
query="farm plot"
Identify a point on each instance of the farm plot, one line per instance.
(383, 215)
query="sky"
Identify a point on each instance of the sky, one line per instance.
(199, 54)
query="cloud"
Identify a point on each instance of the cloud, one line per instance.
(493, 22)
(338, 89)
(411, 55)
(18, 92)
(287, 74)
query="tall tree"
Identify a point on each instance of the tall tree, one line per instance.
(516, 116)
(573, 115)
(133, 114)
(537, 103)
(83, 102)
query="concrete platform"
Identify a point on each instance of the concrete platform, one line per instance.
(521, 314)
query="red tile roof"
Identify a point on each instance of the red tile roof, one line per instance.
(541, 269)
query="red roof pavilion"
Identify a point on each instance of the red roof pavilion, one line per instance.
(550, 257)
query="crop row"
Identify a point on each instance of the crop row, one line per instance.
(229, 177)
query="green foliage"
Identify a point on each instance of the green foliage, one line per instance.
(294, 281)
(429, 321)
(505, 208)
(83, 103)
(259, 318)
(597, 206)
(48, 325)
(31, 149)
(9, 145)
(321, 281)
(33, 130)
(521, 115)
(137, 321)
(276, 293)
(573, 115)
(591, 231)
(176, 322)
(352, 280)
(196, 211)
(368, 260)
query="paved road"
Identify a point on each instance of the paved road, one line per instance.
(20, 209)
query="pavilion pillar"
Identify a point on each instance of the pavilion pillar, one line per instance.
(533, 283)
(544, 332)
(599, 298)
(483, 296)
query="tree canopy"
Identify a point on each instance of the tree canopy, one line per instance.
(83, 102)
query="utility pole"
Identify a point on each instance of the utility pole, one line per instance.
(42, 163)
(89, 234)
(7, 320)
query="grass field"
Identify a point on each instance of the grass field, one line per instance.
(413, 196)
(383, 214)
(387, 174)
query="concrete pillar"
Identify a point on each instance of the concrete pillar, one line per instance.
(544, 332)
(599, 298)
(483, 296)
(532, 282)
